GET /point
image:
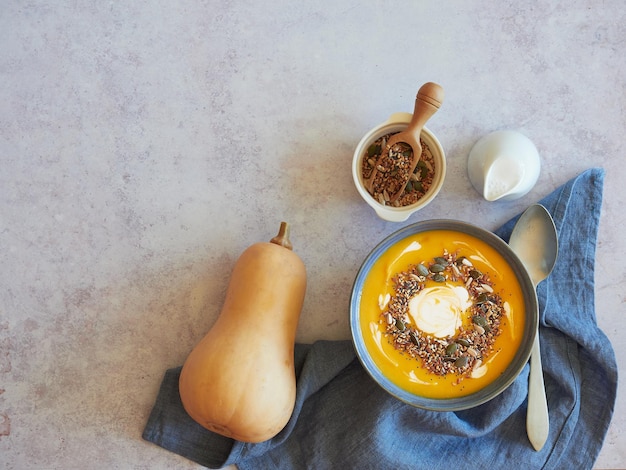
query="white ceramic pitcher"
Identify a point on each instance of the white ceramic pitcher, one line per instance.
(503, 165)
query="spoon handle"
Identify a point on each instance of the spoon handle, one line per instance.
(537, 419)
(427, 102)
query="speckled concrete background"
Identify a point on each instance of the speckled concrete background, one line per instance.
(144, 145)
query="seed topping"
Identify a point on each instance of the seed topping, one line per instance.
(464, 352)
(393, 171)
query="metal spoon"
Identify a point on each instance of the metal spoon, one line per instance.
(427, 102)
(534, 240)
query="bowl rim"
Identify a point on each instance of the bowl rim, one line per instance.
(521, 356)
(398, 122)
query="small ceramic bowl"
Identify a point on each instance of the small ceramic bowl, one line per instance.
(365, 314)
(396, 123)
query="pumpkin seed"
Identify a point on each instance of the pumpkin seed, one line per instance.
(409, 186)
(373, 150)
(414, 338)
(475, 273)
(422, 270)
(479, 320)
(437, 268)
(439, 277)
(400, 324)
(461, 362)
(463, 342)
(441, 260)
(452, 349)
(482, 298)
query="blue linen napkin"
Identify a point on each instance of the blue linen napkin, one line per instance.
(343, 419)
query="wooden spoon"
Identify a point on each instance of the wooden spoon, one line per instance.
(428, 100)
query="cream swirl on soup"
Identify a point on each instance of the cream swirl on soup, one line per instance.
(438, 310)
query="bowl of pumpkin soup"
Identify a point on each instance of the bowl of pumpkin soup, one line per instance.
(443, 315)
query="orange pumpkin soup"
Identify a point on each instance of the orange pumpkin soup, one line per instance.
(442, 314)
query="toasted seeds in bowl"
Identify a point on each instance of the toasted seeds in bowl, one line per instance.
(395, 164)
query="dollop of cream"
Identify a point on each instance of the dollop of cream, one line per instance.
(438, 310)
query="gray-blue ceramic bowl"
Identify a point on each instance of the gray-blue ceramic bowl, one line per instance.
(521, 356)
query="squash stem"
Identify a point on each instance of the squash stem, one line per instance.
(282, 238)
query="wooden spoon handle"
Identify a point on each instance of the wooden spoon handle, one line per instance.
(427, 102)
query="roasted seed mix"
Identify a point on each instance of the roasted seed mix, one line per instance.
(392, 172)
(463, 353)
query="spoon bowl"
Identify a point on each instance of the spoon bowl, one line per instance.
(534, 240)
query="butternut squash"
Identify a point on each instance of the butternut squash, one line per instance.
(239, 381)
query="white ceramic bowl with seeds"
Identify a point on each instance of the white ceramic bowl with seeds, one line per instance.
(396, 123)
